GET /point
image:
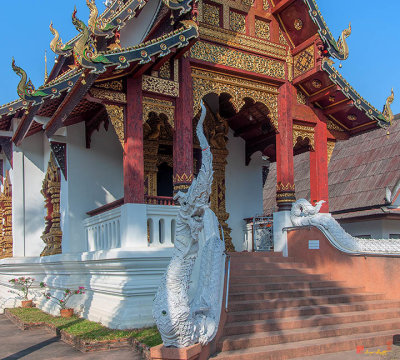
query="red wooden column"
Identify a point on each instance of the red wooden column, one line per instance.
(319, 164)
(133, 149)
(183, 134)
(285, 191)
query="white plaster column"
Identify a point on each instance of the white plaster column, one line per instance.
(281, 221)
(18, 203)
(133, 226)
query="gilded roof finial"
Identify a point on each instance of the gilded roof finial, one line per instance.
(46, 74)
(342, 44)
(56, 45)
(91, 4)
(25, 86)
(387, 111)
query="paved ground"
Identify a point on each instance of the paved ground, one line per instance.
(38, 344)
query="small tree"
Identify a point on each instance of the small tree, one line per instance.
(62, 301)
(22, 285)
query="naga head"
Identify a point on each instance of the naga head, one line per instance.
(196, 200)
(79, 24)
(347, 32)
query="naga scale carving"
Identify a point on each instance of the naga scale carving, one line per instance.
(52, 234)
(184, 320)
(304, 214)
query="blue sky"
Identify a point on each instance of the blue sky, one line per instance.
(372, 67)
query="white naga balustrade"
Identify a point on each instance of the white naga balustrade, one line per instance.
(103, 231)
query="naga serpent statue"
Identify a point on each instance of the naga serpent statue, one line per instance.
(182, 319)
(304, 214)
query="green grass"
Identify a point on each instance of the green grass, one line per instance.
(87, 330)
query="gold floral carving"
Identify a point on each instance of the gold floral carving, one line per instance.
(218, 203)
(206, 82)
(248, 2)
(332, 126)
(237, 22)
(105, 94)
(303, 132)
(112, 85)
(165, 71)
(211, 14)
(237, 59)
(52, 234)
(262, 29)
(6, 239)
(301, 98)
(116, 115)
(150, 154)
(160, 86)
(265, 5)
(304, 61)
(331, 147)
(282, 38)
(230, 38)
(159, 107)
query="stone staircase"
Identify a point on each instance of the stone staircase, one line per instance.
(279, 309)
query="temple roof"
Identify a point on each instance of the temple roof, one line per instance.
(313, 45)
(360, 170)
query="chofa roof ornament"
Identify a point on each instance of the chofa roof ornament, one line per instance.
(342, 44)
(387, 111)
(25, 87)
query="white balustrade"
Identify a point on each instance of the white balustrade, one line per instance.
(103, 230)
(161, 222)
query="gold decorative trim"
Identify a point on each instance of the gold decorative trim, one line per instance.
(52, 234)
(238, 60)
(244, 42)
(160, 107)
(105, 94)
(303, 132)
(330, 148)
(6, 238)
(116, 115)
(205, 82)
(111, 85)
(301, 98)
(160, 86)
(304, 61)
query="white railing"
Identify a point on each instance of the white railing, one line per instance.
(103, 230)
(161, 225)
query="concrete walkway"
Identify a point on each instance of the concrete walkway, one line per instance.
(38, 344)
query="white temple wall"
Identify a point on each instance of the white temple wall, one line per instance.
(28, 203)
(244, 190)
(377, 229)
(95, 178)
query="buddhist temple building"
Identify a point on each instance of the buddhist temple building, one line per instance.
(92, 158)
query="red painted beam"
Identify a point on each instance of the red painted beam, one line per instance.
(133, 159)
(281, 6)
(183, 134)
(319, 163)
(333, 109)
(324, 94)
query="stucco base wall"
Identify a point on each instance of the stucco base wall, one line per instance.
(377, 274)
(121, 284)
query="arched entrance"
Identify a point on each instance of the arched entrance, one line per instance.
(235, 135)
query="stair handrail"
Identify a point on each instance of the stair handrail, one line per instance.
(228, 274)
